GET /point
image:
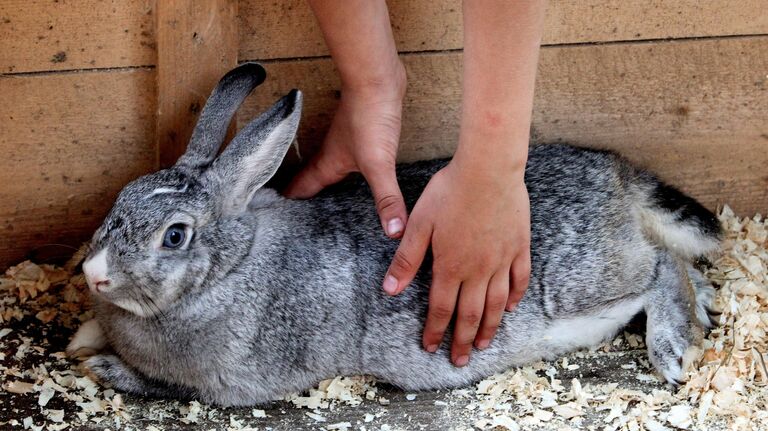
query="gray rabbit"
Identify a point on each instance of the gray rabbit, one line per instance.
(208, 286)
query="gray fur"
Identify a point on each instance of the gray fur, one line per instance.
(273, 297)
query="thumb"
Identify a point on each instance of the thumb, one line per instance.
(408, 257)
(314, 177)
(389, 200)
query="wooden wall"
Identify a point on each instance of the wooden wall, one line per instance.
(680, 87)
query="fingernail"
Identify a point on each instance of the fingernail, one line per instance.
(432, 348)
(394, 226)
(483, 344)
(390, 284)
(461, 361)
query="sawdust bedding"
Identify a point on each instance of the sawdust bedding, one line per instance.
(41, 306)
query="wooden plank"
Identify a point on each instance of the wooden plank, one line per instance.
(288, 29)
(38, 35)
(197, 44)
(70, 142)
(285, 29)
(693, 111)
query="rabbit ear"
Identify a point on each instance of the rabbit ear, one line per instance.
(211, 127)
(255, 153)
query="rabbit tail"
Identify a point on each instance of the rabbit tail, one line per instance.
(677, 222)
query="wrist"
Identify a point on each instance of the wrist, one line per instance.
(386, 78)
(493, 154)
(488, 171)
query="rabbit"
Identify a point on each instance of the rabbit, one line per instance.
(208, 286)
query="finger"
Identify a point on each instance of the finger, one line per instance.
(318, 174)
(389, 200)
(408, 257)
(468, 318)
(495, 302)
(442, 302)
(519, 278)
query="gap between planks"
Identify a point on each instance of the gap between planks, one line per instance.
(543, 46)
(404, 53)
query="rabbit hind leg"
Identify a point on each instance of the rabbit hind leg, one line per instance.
(673, 333)
(706, 313)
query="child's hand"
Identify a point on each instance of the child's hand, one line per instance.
(477, 221)
(363, 137)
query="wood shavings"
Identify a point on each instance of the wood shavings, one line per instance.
(342, 426)
(16, 387)
(27, 279)
(55, 415)
(46, 316)
(680, 416)
(726, 387)
(347, 390)
(190, 412)
(568, 411)
(316, 417)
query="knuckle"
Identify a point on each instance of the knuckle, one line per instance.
(496, 302)
(387, 203)
(464, 341)
(441, 312)
(447, 269)
(402, 264)
(485, 266)
(471, 318)
(521, 281)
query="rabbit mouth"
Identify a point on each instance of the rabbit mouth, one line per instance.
(136, 303)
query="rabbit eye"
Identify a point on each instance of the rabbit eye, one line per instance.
(175, 235)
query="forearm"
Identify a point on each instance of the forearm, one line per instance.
(501, 49)
(359, 36)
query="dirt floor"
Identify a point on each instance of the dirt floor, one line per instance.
(611, 387)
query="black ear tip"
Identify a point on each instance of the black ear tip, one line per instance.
(294, 94)
(250, 70)
(291, 100)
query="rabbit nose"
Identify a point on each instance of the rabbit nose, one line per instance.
(96, 270)
(100, 285)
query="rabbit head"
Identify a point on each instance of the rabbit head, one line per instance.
(170, 231)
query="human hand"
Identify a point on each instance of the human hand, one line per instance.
(363, 137)
(478, 224)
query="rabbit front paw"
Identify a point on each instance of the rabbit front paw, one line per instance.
(111, 370)
(88, 340)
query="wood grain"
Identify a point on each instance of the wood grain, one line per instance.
(197, 45)
(287, 29)
(38, 35)
(693, 111)
(70, 142)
